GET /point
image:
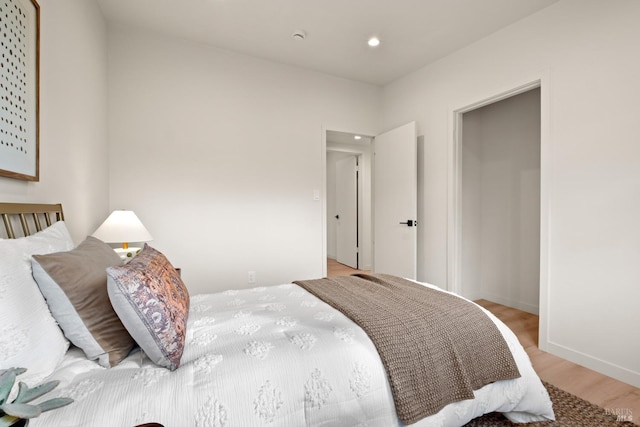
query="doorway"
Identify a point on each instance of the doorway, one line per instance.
(342, 150)
(500, 183)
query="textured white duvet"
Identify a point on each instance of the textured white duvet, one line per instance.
(273, 356)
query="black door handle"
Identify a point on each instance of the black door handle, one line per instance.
(410, 223)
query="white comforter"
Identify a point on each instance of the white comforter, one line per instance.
(268, 356)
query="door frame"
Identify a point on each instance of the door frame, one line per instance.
(454, 190)
(323, 196)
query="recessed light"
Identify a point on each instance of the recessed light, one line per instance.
(358, 137)
(373, 42)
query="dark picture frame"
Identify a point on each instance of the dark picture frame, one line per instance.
(20, 89)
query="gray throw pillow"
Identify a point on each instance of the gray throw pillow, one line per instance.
(74, 283)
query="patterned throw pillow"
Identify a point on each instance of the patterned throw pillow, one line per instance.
(153, 304)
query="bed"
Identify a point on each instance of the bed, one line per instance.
(275, 355)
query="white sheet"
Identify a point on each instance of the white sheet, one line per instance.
(268, 356)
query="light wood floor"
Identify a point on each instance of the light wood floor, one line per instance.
(606, 392)
(618, 397)
(334, 268)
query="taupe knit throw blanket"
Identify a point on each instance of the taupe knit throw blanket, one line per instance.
(437, 348)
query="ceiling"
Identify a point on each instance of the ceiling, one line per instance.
(335, 137)
(413, 33)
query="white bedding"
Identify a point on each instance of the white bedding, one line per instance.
(268, 356)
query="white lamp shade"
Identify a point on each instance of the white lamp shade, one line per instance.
(122, 227)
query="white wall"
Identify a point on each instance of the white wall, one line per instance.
(219, 155)
(73, 116)
(585, 52)
(501, 202)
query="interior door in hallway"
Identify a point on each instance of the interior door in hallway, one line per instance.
(347, 211)
(395, 202)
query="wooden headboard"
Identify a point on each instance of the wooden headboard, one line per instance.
(32, 217)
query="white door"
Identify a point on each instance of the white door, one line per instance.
(395, 185)
(346, 216)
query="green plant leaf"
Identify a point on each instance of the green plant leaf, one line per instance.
(21, 410)
(17, 371)
(55, 403)
(7, 379)
(26, 394)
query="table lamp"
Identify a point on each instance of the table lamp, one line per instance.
(123, 227)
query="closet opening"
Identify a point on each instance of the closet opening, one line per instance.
(499, 182)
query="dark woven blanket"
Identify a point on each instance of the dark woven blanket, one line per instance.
(437, 348)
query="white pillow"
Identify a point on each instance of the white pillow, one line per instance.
(29, 336)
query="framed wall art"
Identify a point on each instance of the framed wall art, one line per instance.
(19, 89)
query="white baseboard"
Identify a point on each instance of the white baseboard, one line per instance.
(529, 308)
(474, 296)
(606, 368)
